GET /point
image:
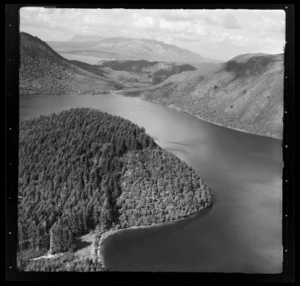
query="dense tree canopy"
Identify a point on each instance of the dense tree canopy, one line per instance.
(83, 168)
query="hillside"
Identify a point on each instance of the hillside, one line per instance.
(130, 49)
(244, 93)
(154, 72)
(83, 169)
(45, 72)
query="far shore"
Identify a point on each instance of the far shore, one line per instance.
(172, 106)
(212, 122)
(119, 92)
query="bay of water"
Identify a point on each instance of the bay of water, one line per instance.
(82, 58)
(243, 230)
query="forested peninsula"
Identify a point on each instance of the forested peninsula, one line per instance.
(81, 170)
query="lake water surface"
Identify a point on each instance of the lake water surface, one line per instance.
(82, 58)
(241, 233)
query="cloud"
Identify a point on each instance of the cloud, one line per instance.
(181, 14)
(268, 25)
(230, 21)
(198, 30)
(229, 39)
(144, 22)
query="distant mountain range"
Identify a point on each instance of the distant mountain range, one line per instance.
(80, 38)
(127, 49)
(43, 71)
(244, 93)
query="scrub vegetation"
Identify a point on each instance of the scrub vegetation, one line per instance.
(245, 93)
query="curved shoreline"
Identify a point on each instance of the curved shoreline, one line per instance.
(172, 106)
(99, 248)
(167, 106)
(218, 124)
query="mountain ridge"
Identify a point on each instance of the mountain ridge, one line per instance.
(82, 38)
(121, 48)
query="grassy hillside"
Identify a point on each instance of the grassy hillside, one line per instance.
(154, 72)
(244, 93)
(44, 72)
(83, 169)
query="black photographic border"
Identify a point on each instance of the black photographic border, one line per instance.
(11, 155)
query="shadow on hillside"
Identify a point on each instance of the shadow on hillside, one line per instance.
(80, 244)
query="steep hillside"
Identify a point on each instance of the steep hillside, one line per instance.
(82, 168)
(44, 72)
(244, 93)
(130, 49)
(155, 72)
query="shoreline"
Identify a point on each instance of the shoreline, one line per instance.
(218, 124)
(171, 106)
(99, 248)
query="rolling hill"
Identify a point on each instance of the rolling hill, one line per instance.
(244, 93)
(45, 72)
(155, 72)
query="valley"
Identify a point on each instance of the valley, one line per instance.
(244, 93)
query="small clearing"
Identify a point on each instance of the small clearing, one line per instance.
(84, 246)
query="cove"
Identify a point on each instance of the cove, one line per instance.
(241, 233)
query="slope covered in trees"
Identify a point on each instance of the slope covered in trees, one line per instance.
(81, 169)
(45, 72)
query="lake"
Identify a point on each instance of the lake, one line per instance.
(82, 58)
(241, 233)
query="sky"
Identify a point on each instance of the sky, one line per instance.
(217, 34)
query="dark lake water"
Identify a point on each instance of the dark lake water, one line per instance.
(241, 233)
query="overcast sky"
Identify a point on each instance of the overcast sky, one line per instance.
(217, 34)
